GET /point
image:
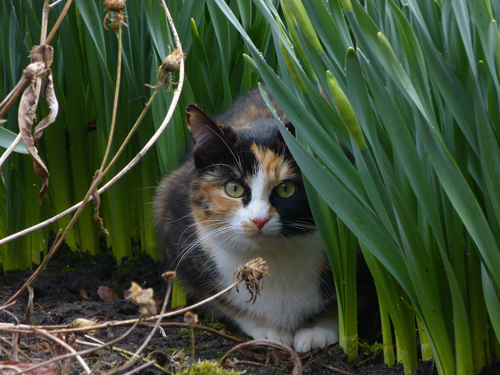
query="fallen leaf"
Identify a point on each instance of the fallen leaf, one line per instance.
(9, 367)
(84, 295)
(107, 294)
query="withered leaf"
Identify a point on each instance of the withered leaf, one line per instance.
(41, 60)
(107, 294)
(50, 97)
(9, 367)
(85, 295)
(27, 108)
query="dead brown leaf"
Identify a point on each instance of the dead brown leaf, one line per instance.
(41, 59)
(85, 295)
(9, 367)
(107, 294)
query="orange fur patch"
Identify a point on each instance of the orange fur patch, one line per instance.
(219, 204)
(275, 167)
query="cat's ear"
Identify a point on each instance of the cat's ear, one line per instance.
(211, 138)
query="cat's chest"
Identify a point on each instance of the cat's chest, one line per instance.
(295, 266)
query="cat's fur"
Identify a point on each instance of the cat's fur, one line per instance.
(207, 234)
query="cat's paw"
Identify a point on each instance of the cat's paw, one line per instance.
(315, 337)
(285, 337)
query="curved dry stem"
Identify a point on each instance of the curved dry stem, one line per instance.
(66, 346)
(98, 344)
(115, 102)
(297, 364)
(80, 353)
(59, 20)
(134, 161)
(11, 148)
(136, 355)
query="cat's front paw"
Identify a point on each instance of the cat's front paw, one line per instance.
(315, 337)
(285, 337)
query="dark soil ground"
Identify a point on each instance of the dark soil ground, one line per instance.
(59, 298)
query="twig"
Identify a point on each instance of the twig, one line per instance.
(34, 275)
(11, 345)
(9, 327)
(7, 305)
(200, 328)
(82, 352)
(142, 367)
(297, 365)
(100, 344)
(99, 178)
(245, 273)
(66, 346)
(59, 20)
(115, 101)
(136, 357)
(335, 369)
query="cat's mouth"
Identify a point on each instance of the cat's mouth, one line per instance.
(260, 237)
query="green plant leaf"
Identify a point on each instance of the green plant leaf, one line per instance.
(6, 139)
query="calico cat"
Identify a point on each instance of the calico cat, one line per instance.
(238, 195)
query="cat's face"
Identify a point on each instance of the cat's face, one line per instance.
(248, 191)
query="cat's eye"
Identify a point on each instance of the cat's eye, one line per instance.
(234, 189)
(285, 189)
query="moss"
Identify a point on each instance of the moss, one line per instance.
(208, 368)
(213, 323)
(371, 351)
(184, 332)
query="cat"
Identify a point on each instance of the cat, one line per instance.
(239, 194)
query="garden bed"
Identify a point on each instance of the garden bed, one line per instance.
(69, 289)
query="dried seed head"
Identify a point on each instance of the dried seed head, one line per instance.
(143, 298)
(252, 273)
(115, 5)
(169, 275)
(83, 323)
(173, 61)
(190, 318)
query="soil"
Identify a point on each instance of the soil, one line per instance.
(59, 299)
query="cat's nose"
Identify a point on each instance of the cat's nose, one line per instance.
(260, 222)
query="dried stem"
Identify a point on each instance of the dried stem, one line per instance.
(59, 20)
(297, 364)
(66, 346)
(136, 357)
(80, 353)
(125, 353)
(115, 102)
